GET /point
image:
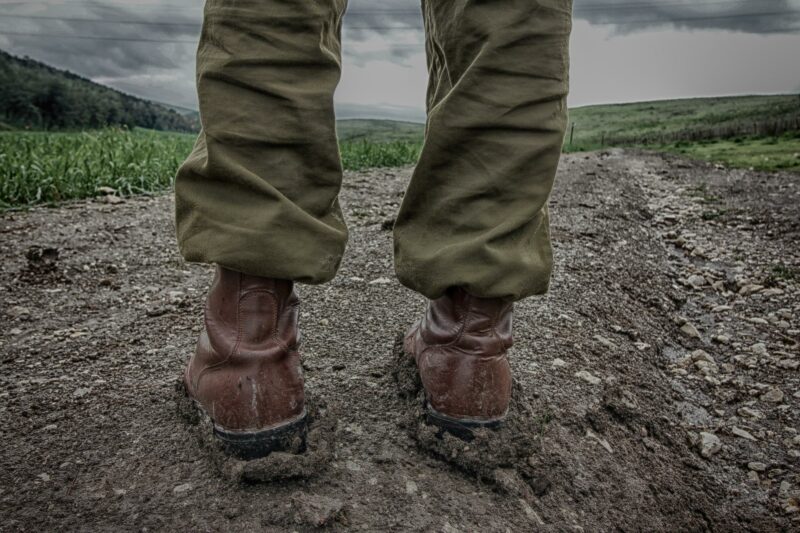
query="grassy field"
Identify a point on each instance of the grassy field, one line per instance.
(766, 153)
(379, 131)
(653, 123)
(46, 168)
(43, 168)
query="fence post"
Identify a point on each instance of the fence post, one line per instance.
(571, 134)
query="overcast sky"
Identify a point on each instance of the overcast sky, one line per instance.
(622, 50)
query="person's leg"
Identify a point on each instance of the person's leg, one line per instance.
(258, 197)
(475, 214)
(472, 233)
(259, 192)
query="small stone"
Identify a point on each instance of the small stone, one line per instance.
(690, 331)
(774, 291)
(758, 320)
(380, 281)
(411, 488)
(773, 395)
(588, 377)
(183, 487)
(603, 442)
(605, 342)
(111, 199)
(750, 289)
(756, 466)
(18, 311)
(702, 355)
(783, 490)
(721, 308)
(119, 492)
(750, 413)
(759, 349)
(558, 363)
(81, 392)
(44, 477)
(788, 364)
(15, 331)
(742, 433)
(696, 281)
(721, 339)
(709, 444)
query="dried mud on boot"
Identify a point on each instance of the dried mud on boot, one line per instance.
(501, 457)
(304, 458)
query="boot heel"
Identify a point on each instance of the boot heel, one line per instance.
(462, 429)
(249, 445)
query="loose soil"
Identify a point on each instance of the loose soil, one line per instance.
(656, 384)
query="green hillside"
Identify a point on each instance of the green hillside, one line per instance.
(39, 97)
(379, 130)
(694, 119)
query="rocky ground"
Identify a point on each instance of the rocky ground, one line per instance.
(657, 382)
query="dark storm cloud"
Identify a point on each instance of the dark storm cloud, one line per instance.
(748, 16)
(101, 39)
(147, 47)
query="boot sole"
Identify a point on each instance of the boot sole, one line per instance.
(249, 445)
(289, 436)
(459, 427)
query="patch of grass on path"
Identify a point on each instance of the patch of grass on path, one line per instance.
(767, 153)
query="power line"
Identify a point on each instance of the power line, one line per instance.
(384, 28)
(98, 37)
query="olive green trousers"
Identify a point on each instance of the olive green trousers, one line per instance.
(259, 192)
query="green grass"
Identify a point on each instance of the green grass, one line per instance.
(766, 153)
(44, 168)
(654, 122)
(47, 168)
(360, 155)
(379, 131)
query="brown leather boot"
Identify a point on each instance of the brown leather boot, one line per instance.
(460, 349)
(245, 373)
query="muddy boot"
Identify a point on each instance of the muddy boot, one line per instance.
(245, 374)
(460, 348)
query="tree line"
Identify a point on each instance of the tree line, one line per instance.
(39, 97)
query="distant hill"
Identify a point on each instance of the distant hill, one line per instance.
(691, 119)
(36, 96)
(379, 130)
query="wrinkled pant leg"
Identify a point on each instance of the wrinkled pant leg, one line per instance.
(475, 213)
(258, 194)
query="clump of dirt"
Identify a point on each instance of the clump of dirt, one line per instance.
(303, 458)
(41, 266)
(502, 456)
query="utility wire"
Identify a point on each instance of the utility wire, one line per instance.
(383, 28)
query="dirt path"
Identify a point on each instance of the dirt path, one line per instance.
(662, 369)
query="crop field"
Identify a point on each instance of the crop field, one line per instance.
(47, 168)
(759, 132)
